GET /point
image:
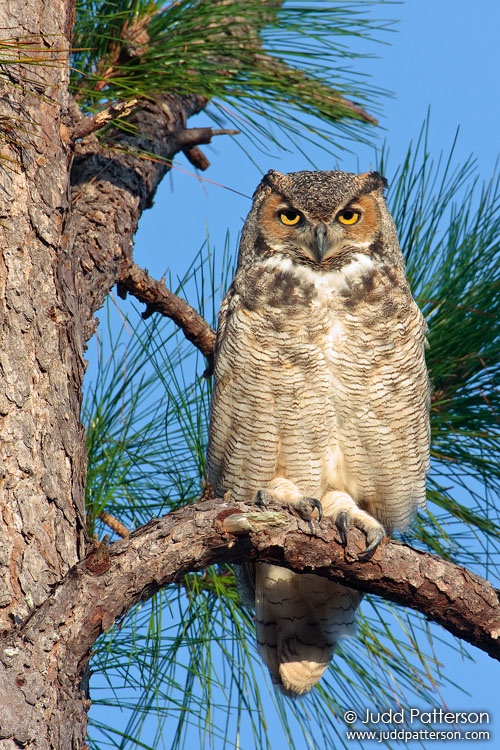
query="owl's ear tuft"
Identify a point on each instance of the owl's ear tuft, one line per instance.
(373, 181)
(268, 181)
(270, 177)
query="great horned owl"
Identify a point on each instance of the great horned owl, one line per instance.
(321, 392)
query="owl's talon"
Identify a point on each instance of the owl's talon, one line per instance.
(342, 524)
(304, 506)
(373, 543)
(343, 510)
(261, 499)
(307, 505)
(318, 507)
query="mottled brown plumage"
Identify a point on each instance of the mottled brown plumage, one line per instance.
(321, 391)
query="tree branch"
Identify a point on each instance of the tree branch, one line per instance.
(159, 298)
(87, 125)
(189, 139)
(104, 586)
(196, 136)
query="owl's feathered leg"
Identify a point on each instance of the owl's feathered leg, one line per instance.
(305, 506)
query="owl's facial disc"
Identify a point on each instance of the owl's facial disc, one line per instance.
(320, 238)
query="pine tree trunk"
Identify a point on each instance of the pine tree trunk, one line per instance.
(41, 368)
(67, 219)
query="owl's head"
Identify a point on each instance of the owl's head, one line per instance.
(319, 218)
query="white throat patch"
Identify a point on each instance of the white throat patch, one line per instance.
(332, 281)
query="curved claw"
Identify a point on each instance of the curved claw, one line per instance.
(305, 507)
(342, 524)
(261, 499)
(316, 505)
(372, 546)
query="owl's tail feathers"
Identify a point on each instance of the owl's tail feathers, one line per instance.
(299, 619)
(298, 677)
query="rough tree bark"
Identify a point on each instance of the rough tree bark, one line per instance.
(42, 449)
(68, 215)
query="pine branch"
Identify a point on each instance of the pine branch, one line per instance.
(188, 140)
(87, 125)
(112, 579)
(114, 524)
(246, 53)
(110, 189)
(196, 136)
(158, 298)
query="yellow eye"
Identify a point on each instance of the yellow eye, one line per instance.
(290, 217)
(348, 217)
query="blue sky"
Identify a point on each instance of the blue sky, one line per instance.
(442, 56)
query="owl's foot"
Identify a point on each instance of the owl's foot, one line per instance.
(284, 493)
(345, 513)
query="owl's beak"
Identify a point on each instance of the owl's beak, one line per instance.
(320, 242)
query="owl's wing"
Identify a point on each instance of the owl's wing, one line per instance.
(384, 410)
(243, 434)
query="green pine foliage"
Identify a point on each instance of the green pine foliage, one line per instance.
(255, 60)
